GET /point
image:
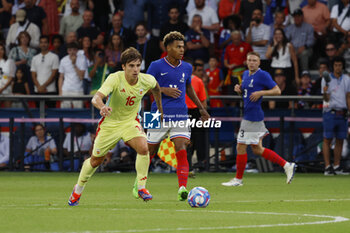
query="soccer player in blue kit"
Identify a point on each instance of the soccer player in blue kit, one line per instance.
(256, 83)
(174, 78)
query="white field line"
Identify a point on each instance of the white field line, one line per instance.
(330, 219)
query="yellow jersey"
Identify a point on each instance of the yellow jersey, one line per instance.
(123, 98)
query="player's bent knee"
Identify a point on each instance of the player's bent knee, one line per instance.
(96, 161)
(258, 150)
(142, 150)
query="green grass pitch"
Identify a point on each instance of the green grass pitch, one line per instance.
(37, 202)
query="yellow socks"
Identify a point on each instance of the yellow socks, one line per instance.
(86, 172)
(142, 165)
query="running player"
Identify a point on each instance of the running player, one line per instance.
(125, 90)
(174, 78)
(256, 83)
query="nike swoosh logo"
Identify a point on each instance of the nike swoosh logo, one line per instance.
(163, 73)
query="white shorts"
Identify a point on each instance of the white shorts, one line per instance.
(251, 132)
(155, 136)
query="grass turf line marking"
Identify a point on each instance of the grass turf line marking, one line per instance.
(333, 219)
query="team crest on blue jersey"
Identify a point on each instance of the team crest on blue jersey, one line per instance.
(151, 120)
(182, 80)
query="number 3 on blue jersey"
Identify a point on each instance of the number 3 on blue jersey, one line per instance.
(245, 93)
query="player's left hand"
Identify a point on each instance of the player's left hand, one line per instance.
(205, 115)
(255, 96)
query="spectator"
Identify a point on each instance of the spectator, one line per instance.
(72, 69)
(68, 9)
(344, 51)
(174, 24)
(197, 133)
(70, 38)
(133, 13)
(280, 80)
(36, 15)
(273, 6)
(278, 23)
(101, 11)
(82, 142)
(228, 8)
(340, 21)
(246, 11)
(86, 52)
(258, 35)
(39, 149)
(19, 87)
(283, 56)
(235, 61)
(99, 71)
(331, 52)
(44, 70)
(216, 81)
(99, 42)
(23, 55)
(4, 151)
(316, 85)
(236, 53)
(22, 24)
(118, 28)
(20, 83)
(230, 23)
(5, 16)
(158, 15)
(71, 23)
(197, 40)
(50, 9)
(305, 89)
(301, 35)
(211, 3)
(335, 120)
(148, 48)
(210, 20)
(114, 50)
(7, 72)
(87, 28)
(57, 43)
(317, 14)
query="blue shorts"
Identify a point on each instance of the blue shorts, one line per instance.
(334, 126)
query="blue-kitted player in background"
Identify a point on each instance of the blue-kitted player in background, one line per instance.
(256, 83)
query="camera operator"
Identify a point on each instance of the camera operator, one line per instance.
(258, 36)
(336, 95)
(99, 71)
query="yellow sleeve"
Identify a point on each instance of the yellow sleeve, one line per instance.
(110, 84)
(152, 82)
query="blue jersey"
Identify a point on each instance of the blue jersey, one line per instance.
(168, 75)
(260, 80)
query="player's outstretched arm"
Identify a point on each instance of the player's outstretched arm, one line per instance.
(97, 101)
(193, 96)
(158, 98)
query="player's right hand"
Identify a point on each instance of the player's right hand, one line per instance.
(172, 92)
(105, 111)
(238, 89)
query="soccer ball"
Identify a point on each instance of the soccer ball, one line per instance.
(198, 197)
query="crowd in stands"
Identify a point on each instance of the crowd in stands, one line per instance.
(69, 47)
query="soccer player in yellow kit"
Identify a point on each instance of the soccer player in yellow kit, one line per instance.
(124, 91)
